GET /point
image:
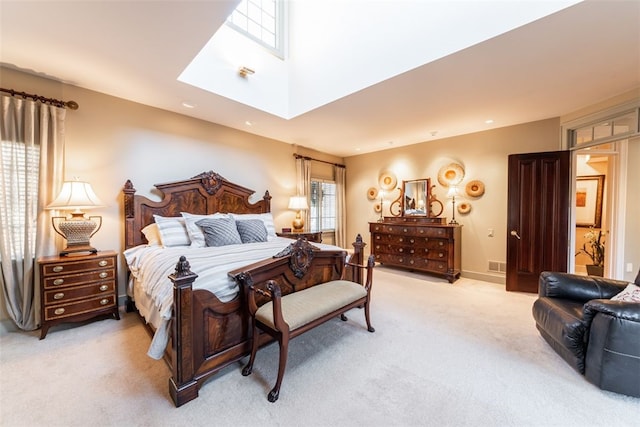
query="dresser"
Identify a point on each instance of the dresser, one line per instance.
(77, 288)
(418, 243)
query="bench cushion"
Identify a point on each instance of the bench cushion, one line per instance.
(300, 308)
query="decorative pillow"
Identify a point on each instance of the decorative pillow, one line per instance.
(173, 231)
(630, 294)
(194, 231)
(220, 231)
(152, 234)
(267, 218)
(252, 230)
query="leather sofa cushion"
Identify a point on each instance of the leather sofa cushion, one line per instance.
(561, 319)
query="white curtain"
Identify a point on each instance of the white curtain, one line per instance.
(31, 173)
(340, 174)
(303, 178)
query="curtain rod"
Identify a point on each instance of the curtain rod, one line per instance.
(72, 105)
(299, 156)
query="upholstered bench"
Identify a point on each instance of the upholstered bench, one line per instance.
(284, 317)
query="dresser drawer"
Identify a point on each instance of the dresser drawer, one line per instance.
(81, 307)
(78, 266)
(78, 279)
(63, 295)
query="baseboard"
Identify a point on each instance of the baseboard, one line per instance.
(487, 277)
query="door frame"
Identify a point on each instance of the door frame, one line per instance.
(617, 182)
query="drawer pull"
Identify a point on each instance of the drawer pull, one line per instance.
(58, 269)
(421, 231)
(411, 241)
(58, 281)
(440, 254)
(401, 250)
(377, 237)
(405, 230)
(401, 240)
(104, 288)
(411, 262)
(59, 311)
(103, 274)
(104, 301)
(103, 263)
(59, 295)
(441, 243)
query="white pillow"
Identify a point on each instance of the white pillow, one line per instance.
(173, 231)
(267, 218)
(152, 234)
(196, 235)
(630, 294)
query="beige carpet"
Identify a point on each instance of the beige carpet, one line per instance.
(466, 354)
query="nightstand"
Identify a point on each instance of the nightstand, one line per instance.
(77, 288)
(312, 237)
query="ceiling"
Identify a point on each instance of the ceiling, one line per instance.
(136, 50)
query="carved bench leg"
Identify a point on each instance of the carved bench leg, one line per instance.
(343, 317)
(283, 341)
(367, 318)
(254, 349)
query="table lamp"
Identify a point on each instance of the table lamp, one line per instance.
(77, 229)
(298, 203)
(452, 193)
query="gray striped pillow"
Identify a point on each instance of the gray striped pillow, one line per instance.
(252, 230)
(173, 231)
(219, 231)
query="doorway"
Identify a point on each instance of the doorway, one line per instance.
(594, 179)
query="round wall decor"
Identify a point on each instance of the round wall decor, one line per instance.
(475, 188)
(464, 207)
(377, 207)
(372, 193)
(450, 174)
(387, 180)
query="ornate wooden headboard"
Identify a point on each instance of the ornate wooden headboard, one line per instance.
(206, 193)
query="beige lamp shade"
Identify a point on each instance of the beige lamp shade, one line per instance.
(78, 229)
(76, 195)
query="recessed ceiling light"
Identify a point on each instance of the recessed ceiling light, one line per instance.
(187, 104)
(248, 123)
(488, 121)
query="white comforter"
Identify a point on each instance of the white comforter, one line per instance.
(150, 267)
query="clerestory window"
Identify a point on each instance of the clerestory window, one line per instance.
(262, 21)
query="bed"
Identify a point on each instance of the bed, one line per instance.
(199, 326)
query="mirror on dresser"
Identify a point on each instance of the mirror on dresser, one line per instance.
(416, 196)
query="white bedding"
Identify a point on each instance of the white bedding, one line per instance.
(152, 290)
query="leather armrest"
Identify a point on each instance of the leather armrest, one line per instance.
(619, 309)
(576, 287)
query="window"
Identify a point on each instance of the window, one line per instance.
(618, 126)
(261, 21)
(20, 166)
(323, 205)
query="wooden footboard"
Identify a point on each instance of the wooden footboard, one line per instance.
(208, 335)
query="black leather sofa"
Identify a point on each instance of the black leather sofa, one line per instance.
(598, 337)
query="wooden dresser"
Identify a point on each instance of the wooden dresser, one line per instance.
(418, 243)
(77, 288)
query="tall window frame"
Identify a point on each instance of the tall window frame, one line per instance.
(323, 205)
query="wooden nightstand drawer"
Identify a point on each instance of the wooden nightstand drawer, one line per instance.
(80, 307)
(78, 279)
(66, 267)
(69, 294)
(78, 287)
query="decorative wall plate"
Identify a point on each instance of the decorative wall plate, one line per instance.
(464, 207)
(372, 193)
(451, 174)
(387, 180)
(475, 188)
(377, 207)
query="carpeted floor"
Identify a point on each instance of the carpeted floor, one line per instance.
(466, 354)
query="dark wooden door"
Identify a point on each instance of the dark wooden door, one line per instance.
(537, 218)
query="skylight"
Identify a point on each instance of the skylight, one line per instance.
(261, 21)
